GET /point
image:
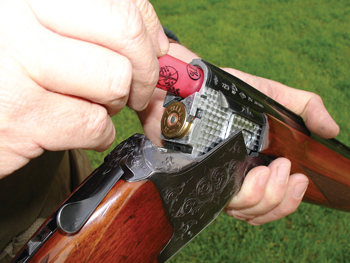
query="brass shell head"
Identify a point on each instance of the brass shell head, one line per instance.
(173, 123)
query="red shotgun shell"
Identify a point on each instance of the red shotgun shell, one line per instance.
(178, 77)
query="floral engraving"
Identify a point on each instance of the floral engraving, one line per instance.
(171, 194)
(208, 189)
(123, 150)
(203, 191)
(195, 196)
(185, 230)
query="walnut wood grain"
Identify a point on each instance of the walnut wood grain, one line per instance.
(130, 225)
(328, 171)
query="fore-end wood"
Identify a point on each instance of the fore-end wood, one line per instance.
(328, 171)
(130, 225)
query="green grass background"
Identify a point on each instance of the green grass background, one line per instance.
(301, 43)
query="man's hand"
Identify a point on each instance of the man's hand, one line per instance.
(268, 193)
(306, 104)
(66, 66)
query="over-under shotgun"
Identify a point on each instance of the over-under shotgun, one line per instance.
(144, 203)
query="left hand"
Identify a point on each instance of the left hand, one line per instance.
(269, 192)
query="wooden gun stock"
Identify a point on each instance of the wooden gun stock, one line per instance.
(328, 171)
(130, 225)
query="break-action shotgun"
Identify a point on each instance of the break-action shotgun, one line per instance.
(144, 203)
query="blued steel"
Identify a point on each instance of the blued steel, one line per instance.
(194, 197)
(245, 99)
(72, 216)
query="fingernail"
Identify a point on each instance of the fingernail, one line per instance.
(283, 173)
(144, 106)
(263, 178)
(163, 41)
(299, 190)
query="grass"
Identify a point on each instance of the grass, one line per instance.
(303, 44)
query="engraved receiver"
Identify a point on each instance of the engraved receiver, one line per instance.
(224, 105)
(144, 203)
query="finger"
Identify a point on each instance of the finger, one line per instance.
(56, 122)
(275, 188)
(155, 29)
(80, 69)
(252, 190)
(69, 66)
(104, 20)
(117, 25)
(150, 117)
(33, 120)
(296, 189)
(274, 191)
(318, 118)
(306, 104)
(78, 124)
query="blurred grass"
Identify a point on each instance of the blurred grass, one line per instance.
(303, 44)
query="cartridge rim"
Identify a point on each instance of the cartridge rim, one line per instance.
(173, 123)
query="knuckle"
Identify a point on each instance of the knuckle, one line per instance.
(97, 127)
(130, 22)
(317, 98)
(149, 15)
(272, 201)
(244, 200)
(253, 199)
(119, 86)
(153, 75)
(133, 30)
(247, 201)
(142, 91)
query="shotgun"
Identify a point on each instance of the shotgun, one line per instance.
(144, 203)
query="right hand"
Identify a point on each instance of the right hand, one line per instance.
(66, 67)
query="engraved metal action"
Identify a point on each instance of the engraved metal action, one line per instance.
(212, 139)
